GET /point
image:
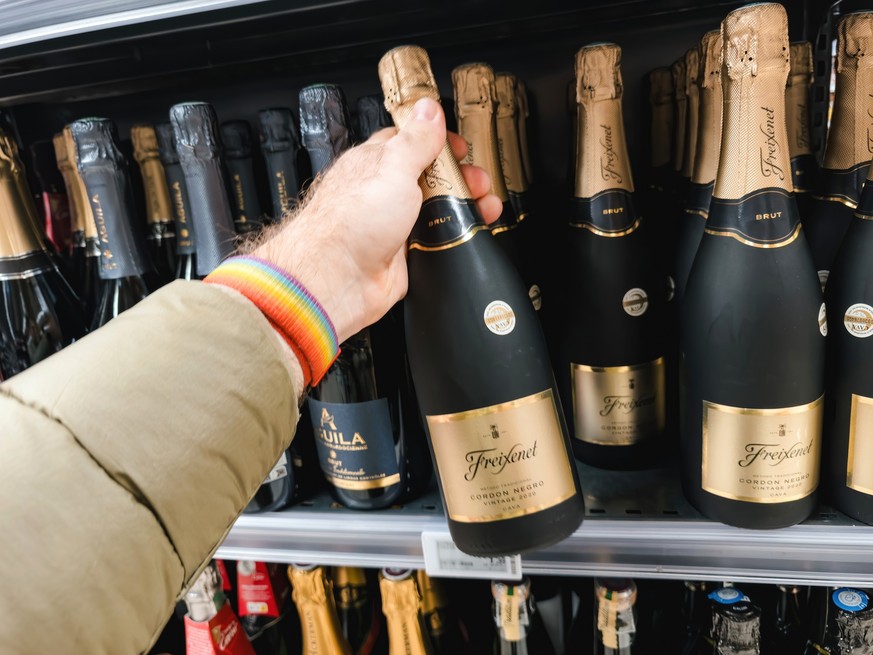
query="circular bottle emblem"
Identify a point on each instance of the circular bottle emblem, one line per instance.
(859, 320)
(499, 317)
(850, 600)
(823, 320)
(635, 302)
(727, 596)
(535, 296)
(823, 278)
(671, 288)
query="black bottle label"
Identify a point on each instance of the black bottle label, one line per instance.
(842, 186)
(761, 455)
(355, 443)
(698, 198)
(763, 219)
(609, 213)
(445, 222)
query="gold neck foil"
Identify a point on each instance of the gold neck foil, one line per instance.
(19, 225)
(850, 137)
(401, 605)
(507, 133)
(710, 111)
(797, 98)
(159, 208)
(475, 105)
(692, 95)
(754, 142)
(66, 169)
(432, 597)
(601, 150)
(681, 106)
(406, 77)
(89, 225)
(521, 118)
(348, 575)
(661, 100)
(313, 596)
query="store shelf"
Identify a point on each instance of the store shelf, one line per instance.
(637, 525)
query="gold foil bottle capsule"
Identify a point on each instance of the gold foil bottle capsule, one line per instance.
(145, 151)
(313, 595)
(19, 226)
(401, 604)
(692, 100)
(710, 109)
(681, 107)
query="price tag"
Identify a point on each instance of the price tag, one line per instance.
(442, 559)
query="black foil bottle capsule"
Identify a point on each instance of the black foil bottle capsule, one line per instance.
(479, 359)
(124, 260)
(371, 116)
(280, 145)
(186, 258)
(246, 206)
(752, 320)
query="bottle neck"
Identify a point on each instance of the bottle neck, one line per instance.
(319, 624)
(797, 117)
(754, 140)
(510, 153)
(478, 127)
(521, 123)
(401, 605)
(708, 134)
(602, 162)
(181, 209)
(850, 137)
(692, 115)
(681, 107)
(158, 205)
(19, 231)
(661, 134)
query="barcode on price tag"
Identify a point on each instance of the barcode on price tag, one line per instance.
(443, 559)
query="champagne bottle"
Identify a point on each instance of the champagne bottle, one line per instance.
(195, 130)
(39, 312)
(804, 168)
(785, 629)
(237, 139)
(849, 144)
(753, 395)
(401, 605)
(210, 625)
(280, 145)
(848, 469)
(372, 116)
(521, 118)
(849, 625)
(692, 96)
(503, 409)
(186, 265)
(313, 595)
(279, 488)
(52, 192)
(680, 112)
(443, 626)
(613, 364)
(519, 627)
(699, 192)
(616, 615)
(659, 203)
(697, 616)
(85, 255)
(359, 619)
(736, 629)
(161, 234)
(262, 599)
(124, 261)
(475, 108)
(363, 413)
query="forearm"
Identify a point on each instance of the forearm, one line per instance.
(127, 457)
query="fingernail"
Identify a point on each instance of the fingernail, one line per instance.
(424, 110)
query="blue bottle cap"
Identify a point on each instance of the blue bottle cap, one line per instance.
(727, 596)
(851, 600)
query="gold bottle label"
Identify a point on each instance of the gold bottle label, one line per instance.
(761, 455)
(859, 466)
(503, 461)
(619, 405)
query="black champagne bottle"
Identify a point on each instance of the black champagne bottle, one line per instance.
(161, 234)
(848, 624)
(849, 143)
(848, 460)
(692, 219)
(186, 265)
(372, 116)
(613, 368)
(680, 112)
(195, 129)
(280, 145)
(804, 168)
(753, 321)
(359, 617)
(124, 260)
(479, 361)
(39, 312)
(237, 139)
(363, 413)
(692, 106)
(447, 633)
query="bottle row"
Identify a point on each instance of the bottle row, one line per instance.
(247, 607)
(489, 315)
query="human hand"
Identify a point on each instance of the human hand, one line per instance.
(347, 245)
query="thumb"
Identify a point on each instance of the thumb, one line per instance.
(420, 140)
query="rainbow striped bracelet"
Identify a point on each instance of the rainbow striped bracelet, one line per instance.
(290, 308)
